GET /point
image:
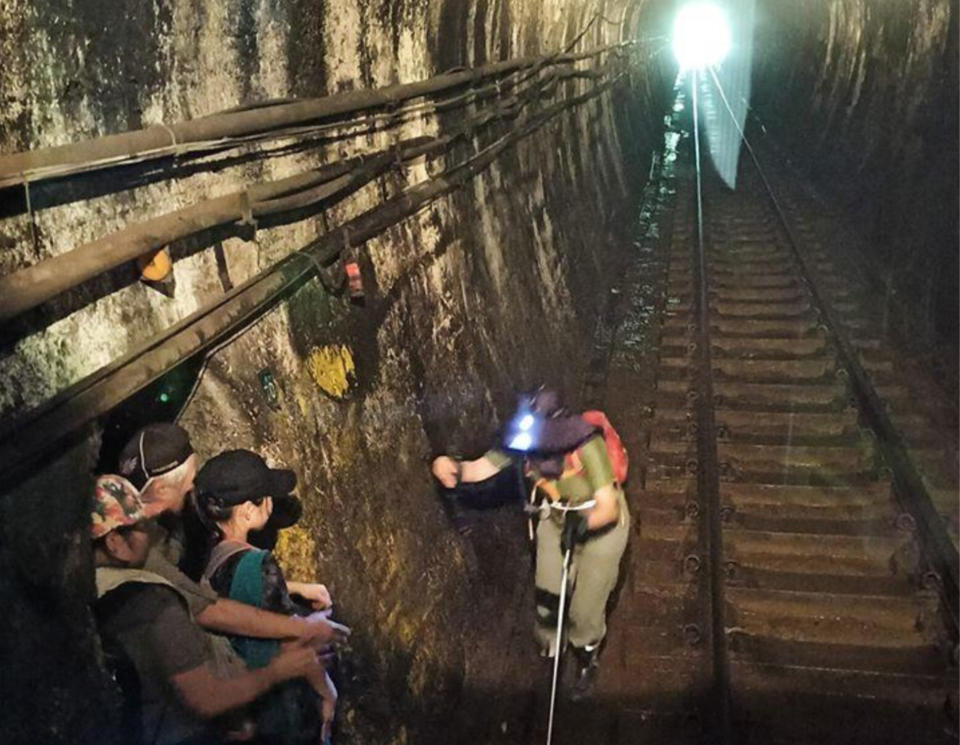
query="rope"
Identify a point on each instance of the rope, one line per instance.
(30, 216)
(559, 641)
(248, 218)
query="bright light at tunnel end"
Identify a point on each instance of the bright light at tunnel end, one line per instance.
(701, 36)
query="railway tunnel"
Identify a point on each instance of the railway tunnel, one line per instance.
(346, 234)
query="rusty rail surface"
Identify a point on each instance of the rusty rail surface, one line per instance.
(827, 536)
(908, 485)
(708, 484)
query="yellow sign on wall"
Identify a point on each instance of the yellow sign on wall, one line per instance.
(332, 369)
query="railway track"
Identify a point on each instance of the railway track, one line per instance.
(793, 600)
(780, 587)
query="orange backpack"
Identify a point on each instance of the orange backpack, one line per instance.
(616, 452)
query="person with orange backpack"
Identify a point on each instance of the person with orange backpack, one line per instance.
(577, 465)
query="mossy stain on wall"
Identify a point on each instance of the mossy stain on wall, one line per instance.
(332, 369)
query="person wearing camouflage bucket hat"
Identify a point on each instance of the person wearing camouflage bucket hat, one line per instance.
(184, 685)
(116, 504)
(159, 459)
(117, 524)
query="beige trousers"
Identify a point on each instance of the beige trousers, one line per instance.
(594, 567)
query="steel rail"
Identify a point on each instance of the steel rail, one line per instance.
(41, 431)
(909, 488)
(708, 485)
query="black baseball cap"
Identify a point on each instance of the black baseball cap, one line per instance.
(153, 451)
(236, 476)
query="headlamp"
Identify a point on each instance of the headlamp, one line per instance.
(523, 431)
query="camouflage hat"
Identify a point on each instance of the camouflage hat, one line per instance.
(116, 503)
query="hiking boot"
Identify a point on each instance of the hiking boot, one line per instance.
(586, 672)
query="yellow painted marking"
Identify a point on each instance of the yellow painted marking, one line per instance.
(332, 369)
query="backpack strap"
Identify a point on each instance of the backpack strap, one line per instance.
(220, 553)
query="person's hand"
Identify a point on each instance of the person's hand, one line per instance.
(317, 594)
(293, 661)
(317, 628)
(447, 471)
(326, 654)
(574, 531)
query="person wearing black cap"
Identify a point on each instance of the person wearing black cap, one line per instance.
(160, 462)
(583, 510)
(178, 688)
(237, 494)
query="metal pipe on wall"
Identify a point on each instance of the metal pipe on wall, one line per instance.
(34, 285)
(162, 140)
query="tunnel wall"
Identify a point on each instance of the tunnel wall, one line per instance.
(863, 95)
(484, 292)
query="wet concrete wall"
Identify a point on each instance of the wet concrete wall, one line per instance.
(864, 96)
(486, 291)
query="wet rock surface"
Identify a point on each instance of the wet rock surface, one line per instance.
(863, 97)
(491, 289)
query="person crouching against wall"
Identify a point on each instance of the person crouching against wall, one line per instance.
(178, 682)
(237, 494)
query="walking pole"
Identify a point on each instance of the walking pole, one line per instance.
(569, 541)
(556, 656)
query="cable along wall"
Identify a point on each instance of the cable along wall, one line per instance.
(446, 330)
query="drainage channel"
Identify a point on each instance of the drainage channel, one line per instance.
(821, 627)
